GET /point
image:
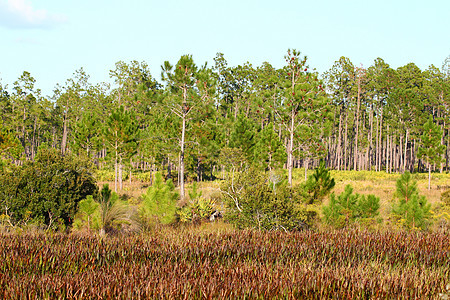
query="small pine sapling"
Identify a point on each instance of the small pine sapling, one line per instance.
(412, 211)
(159, 203)
(348, 208)
(319, 184)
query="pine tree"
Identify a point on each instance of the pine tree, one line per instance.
(341, 209)
(319, 184)
(86, 133)
(348, 208)
(87, 207)
(190, 90)
(304, 104)
(70, 101)
(431, 149)
(160, 202)
(121, 132)
(411, 209)
(9, 144)
(243, 136)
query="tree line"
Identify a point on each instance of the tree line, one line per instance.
(203, 119)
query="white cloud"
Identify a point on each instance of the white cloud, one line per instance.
(21, 14)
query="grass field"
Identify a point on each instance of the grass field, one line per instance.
(220, 263)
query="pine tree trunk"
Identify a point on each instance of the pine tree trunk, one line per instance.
(380, 143)
(358, 101)
(346, 143)
(406, 150)
(120, 175)
(387, 152)
(369, 158)
(339, 147)
(306, 169)
(377, 146)
(400, 154)
(131, 166)
(441, 169)
(115, 173)
(291, 148)
(181, 176)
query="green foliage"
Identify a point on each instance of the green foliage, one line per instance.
(319, 184)
(431, 149)
(87, 133)
(412, 211)
(107, 213)
(48, 190)
(269, 151)
(114, 213)
(406, 187)
(232, 158)
(121, 132)
(9, 144)
(243, 135)
(86, 210)
(194, 193)
(159, 203)
(252, 201)
(348, 208)
(197, 209)
(443, 210)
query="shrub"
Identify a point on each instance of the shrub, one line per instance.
(86, 211)
(253, 201)
(159, 203)
(107, 213)
(319, 184)
(411, 210)
(348, 208)
(445, 198)
(197, 208)
(48, 190)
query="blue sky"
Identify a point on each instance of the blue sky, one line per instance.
(53, 38)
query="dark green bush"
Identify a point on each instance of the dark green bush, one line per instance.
(46, 191)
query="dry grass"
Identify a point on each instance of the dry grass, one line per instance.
(380, 184)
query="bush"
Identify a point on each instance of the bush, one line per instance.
(348, 208)
(159, 203)
(445, 198)
(319, 184)
(197, 208)
(411, 210)
(253, 201)
(107, 213)
(46, 191)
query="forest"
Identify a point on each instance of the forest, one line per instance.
(200, 119)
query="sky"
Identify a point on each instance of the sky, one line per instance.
(52, 39)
